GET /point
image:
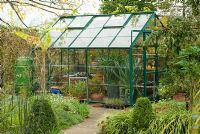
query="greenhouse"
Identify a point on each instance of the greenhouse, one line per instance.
(106, 53)
(99, 67)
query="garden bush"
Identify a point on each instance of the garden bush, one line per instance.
(171, 122)
(42, 118)
(68, 111)
(142, 114)
(172, 118)
(168, 105)
(117, 124)
(130, 122)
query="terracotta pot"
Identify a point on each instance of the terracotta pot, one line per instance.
(99, 76)
(181, 97)
(97, 96)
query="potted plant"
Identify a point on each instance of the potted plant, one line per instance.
(96, 91)
(114, 103)
(76, 90)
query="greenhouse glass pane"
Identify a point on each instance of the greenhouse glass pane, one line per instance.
(58, 28)
(122, 42)
(109, 32)
(67, 38)
(81, 42)
(98, 22)
(118, 20)
(63, 23)
(80, 21)
(87, 36)
(138, 21)
(127, 32)
(101, 42)
(90, 32)
(63, 43)
(105, 37)
(54, 34)
(71, 33)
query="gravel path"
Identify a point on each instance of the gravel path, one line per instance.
(89, 126)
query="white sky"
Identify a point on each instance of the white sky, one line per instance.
(34, 18)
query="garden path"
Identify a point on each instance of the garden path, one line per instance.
(89, 126)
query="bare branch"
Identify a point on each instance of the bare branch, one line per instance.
(82, 2)
(4, 22)
(17, 14)
(39, 3)
(17, 3)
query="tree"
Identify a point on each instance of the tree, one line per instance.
(195, 5)
(164, 6)
(142, 114)
(126, 6)
(56, 7)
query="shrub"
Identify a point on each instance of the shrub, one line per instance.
(168, 105)
(171, 123)
(117, 124)
(171, 117)
(142, 114)
(42, 119)
(76, 90)
(68, 111)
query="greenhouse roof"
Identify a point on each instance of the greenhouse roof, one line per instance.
(99, 31)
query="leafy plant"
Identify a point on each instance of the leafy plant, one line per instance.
(196, 113)
(42, 118)
(96, 88)
(142, 114)
(76, 90)
(171, 117)
(176, 119)
(168, 105)
(178, 122)
(68, 111)
(117, 124)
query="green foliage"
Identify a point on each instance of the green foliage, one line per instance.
(185, 73)
(168, 105)
(124, 6)
(170, 117)
(68, 111)
(76, 90)
(195, 4)
(42, 118)
(196, 113)
(96, 88)
(117, 124)
(12, 47)
(142, 114)
(171, 122)
(116, 68)
(15, 111)
(179, 49)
